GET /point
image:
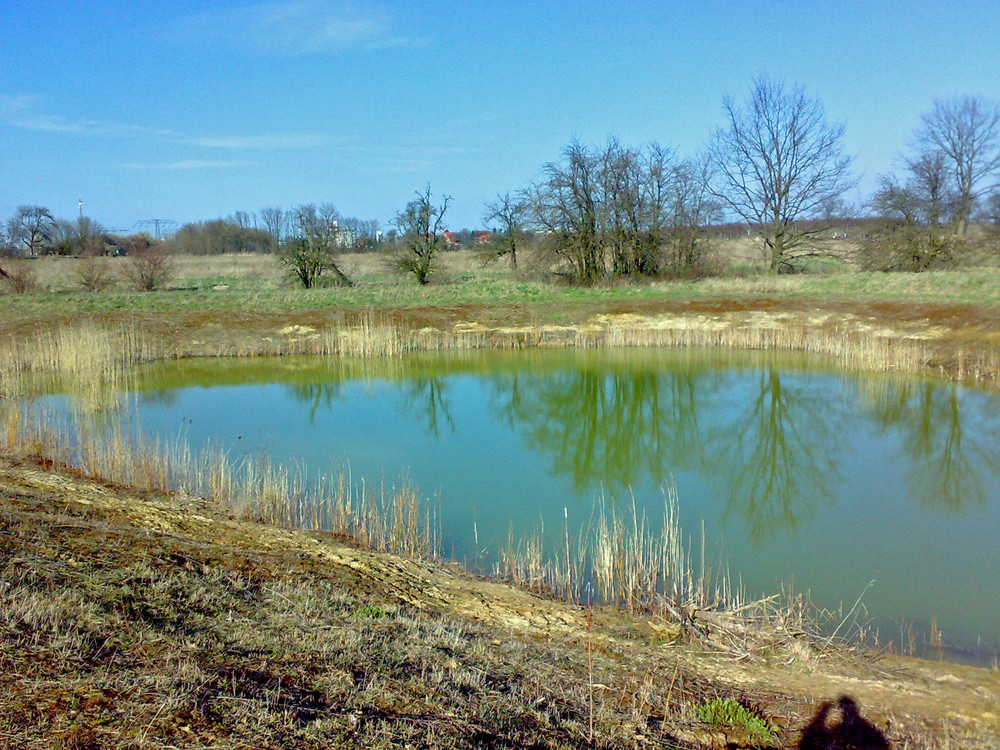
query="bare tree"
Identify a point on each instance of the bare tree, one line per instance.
(420, 224)
(635, 195)
(565, 207)
(777, 162)
(916, 218)
(693, 207)
(360, 234)
(313, 250)
(275, 221)
(31, 229)
(507, 215)
(966, 132)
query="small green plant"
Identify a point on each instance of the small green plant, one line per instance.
(371, 611)
(726, 712)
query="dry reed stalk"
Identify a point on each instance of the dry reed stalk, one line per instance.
(393, 519)
(624, 561)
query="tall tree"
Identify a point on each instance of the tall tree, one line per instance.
(565, 207)
(966, 132)
(693, 207)
(275, 220)
(313, 249)
(507, 216)
(31, 229)
(420, 224)
(777, 162)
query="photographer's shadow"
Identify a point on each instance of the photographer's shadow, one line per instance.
(849, 731)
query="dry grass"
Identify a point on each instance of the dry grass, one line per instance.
(160, 642)
(385, 517)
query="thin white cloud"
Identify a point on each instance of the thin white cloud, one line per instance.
(262, 142)
(22, 111)
(296, 27)
(184, 164)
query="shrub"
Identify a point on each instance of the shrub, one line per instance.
(20, 278)
(147, 266)
(93, 273)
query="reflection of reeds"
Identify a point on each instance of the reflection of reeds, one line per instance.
(391, 518)
(87, 357)
(88, 361)
(621, 559)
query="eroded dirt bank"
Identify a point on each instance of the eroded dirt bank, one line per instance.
(136, 620)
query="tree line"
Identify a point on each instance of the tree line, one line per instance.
(776, 166)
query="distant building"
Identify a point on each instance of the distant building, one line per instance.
(345, 238)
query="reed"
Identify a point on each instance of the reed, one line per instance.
(389, 517)
(87, 359)
(620, 558)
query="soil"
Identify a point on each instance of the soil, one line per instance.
(912, 703)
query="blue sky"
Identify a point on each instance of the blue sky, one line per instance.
(193, 110)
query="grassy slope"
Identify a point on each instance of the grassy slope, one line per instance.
(125, 632)
(135, 620)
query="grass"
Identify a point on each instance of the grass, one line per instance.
(221, 283)
(726, 712)
(159, 641)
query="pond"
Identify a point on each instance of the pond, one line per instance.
(795, 474)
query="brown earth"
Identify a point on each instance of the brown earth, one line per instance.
(71, 531)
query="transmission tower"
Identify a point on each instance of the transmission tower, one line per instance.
(157, 225)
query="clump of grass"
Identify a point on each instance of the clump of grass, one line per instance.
(371, 611)
(621, 559)
(726, 712)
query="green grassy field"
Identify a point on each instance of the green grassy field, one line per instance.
(256, 283)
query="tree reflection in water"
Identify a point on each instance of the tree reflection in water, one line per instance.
(947, 450)
(426, 399)
(774, 456)
(769, 439)
(604, 428)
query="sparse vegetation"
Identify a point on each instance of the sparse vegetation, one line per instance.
(20, 278)
(726, 712)
(147, 265)
(234, 305)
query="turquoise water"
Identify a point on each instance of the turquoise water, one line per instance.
(800, 475)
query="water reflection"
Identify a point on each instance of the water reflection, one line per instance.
(603, 429)
(946, 455)
(768, 433)
(317, 395)
(773, 455)
(426, 399)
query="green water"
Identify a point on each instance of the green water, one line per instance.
(801, 475)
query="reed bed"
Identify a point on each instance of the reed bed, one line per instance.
(87, 359)
(386, 517)
(621, 558)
